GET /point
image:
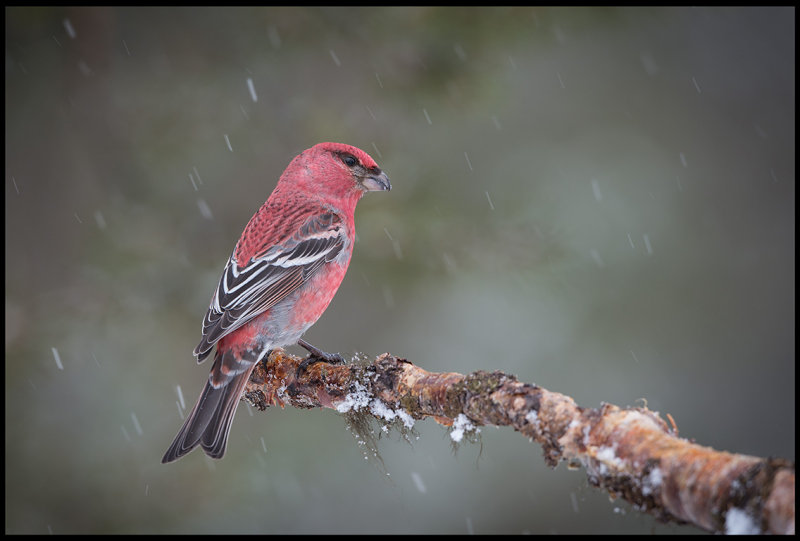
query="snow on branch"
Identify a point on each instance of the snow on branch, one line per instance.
(632, 453)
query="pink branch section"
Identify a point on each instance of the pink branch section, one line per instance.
(632, 453)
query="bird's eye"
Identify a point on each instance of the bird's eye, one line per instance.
(349, 160)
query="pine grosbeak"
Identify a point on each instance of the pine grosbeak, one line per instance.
(280, 278)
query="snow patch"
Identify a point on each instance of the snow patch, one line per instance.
(461, 425)
(360, 399)
(738, 522)
(354, 400)
(607, 456)
(651, 483)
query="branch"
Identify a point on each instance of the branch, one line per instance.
(631, 452)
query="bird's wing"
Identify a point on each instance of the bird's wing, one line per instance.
(248, 288)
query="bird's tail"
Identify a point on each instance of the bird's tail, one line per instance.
(210, 420)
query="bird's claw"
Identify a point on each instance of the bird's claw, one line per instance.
(316, 355)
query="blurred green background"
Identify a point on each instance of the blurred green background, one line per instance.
(600, 201)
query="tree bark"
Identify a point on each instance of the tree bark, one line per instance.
(632, 452)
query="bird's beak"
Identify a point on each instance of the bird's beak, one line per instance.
(376, 182)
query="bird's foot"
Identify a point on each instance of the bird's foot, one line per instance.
(316, 355)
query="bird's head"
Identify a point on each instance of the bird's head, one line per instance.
(336, 170)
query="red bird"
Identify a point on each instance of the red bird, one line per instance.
(280, 278)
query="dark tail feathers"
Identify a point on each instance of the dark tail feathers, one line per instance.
(209, 422)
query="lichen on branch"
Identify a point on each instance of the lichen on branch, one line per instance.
(630, 452)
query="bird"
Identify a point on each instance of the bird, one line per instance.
(281, 276)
